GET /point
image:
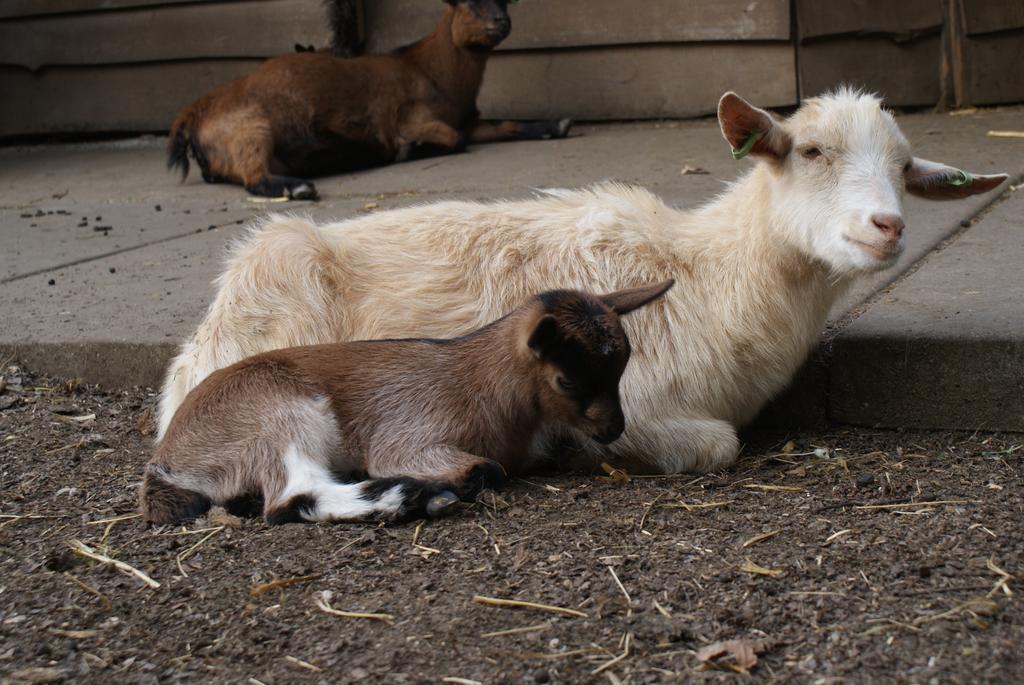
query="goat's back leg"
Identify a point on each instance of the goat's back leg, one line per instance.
(239, 147)
(164, 502)
(465, 473)
(312, 493)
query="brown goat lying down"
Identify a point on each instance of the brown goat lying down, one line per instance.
(314, 113)
(394, 429)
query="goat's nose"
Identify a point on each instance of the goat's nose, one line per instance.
(890, 224)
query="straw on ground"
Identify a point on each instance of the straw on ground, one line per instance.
(84, 550)
(520, 604)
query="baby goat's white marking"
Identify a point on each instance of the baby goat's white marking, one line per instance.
(334, 501)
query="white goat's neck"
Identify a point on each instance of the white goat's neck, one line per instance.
(752, 217)
(772, 297)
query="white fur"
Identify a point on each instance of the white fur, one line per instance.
(757, 270)
(335, 501)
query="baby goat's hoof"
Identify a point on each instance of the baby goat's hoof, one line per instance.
(563, 128)
(442, 504)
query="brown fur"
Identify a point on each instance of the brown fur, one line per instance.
(459, 413)
(311, 113)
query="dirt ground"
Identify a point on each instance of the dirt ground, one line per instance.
(848, 556)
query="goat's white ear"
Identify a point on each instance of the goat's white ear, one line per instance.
(625, 301)
(751, 130)
(934, 181)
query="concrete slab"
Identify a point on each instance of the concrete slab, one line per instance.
(119, 327)
(61, 204)
(943, 348)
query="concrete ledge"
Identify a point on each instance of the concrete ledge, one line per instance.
(110, 364)
(918, 382)
(943, 348)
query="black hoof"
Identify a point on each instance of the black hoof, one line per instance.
(283, 186)
(562, 129)
(302, 191)
(442, 504)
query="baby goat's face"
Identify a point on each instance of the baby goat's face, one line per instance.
(582, 352)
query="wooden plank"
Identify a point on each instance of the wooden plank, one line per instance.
(952, 75)
(27, 8)
(906, 73)
(569, 23)
(994, 68)
(838, 17)
(986, 16)
(141, 97)
(196, 31)
(636, 82)
(615, 83)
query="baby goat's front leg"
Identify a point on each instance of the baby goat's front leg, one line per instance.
(465, 473)
(427, 138)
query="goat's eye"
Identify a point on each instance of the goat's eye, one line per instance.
(811, 152)
(565, 384)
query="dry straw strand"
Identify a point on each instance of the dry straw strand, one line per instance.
(258, 590)
(84, 550)
(322, 604)
(520, 604)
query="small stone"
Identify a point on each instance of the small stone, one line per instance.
(159, 208)
(51, 282)
(865, 479)
(965, 223)
(113, 270)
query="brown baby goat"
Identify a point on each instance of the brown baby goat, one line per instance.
(314, 113)
(393, 429)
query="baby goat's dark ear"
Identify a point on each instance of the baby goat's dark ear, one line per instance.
(545, 335)
(625, 301)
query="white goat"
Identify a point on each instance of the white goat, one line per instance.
(757, 270)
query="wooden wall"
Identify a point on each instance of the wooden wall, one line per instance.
(989, 42)
(606, 59)
(130, 65)
(892, 47)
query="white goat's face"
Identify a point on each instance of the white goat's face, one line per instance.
(841, 166)
(846, 164)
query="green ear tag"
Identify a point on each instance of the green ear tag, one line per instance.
(964, 179)
(748, 144)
